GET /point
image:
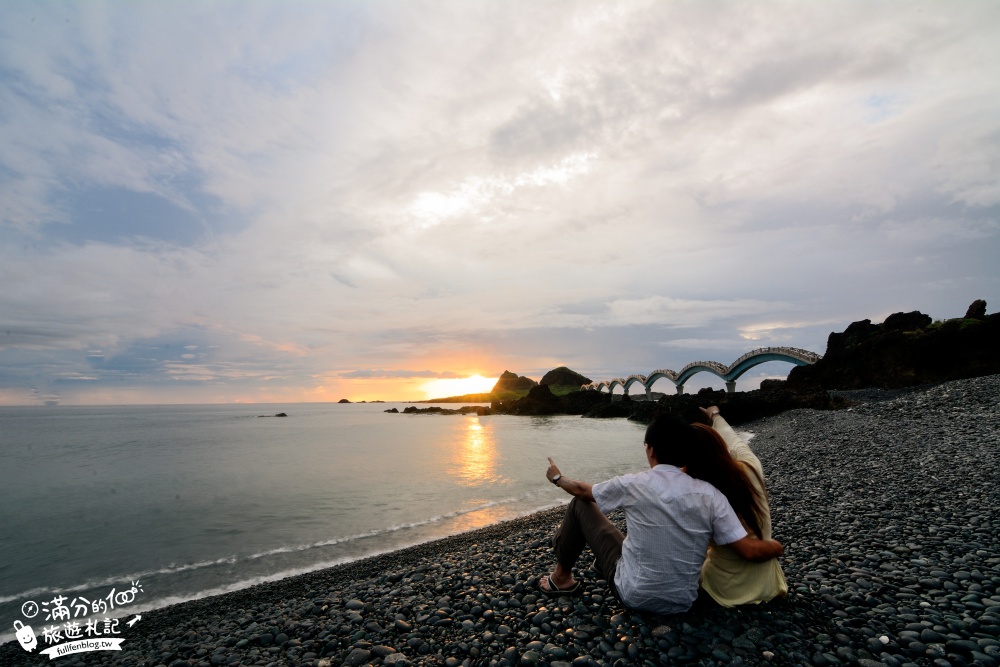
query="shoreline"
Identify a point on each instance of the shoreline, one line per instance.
(888, 513)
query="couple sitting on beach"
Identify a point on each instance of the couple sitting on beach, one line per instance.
(704, 493)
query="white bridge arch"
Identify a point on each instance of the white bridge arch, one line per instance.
(729, 373)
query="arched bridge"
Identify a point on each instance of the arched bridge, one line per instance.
(729, 373)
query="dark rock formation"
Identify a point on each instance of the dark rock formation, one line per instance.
(907, 349)
(541, 401)
(480, 410)
(563, 376)
(977, 310)
(543, 398)
(906, 321)
(773, 398)
(343, 400)
(512, 382)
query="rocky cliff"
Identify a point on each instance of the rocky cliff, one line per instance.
(907, 349)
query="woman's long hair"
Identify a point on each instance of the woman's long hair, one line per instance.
(711, 461)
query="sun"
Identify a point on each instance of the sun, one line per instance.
(474, 384)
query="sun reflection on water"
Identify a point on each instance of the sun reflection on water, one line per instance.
(476, 456)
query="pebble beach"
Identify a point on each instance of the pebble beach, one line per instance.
(888, 512)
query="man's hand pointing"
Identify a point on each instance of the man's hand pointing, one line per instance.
(552, 471)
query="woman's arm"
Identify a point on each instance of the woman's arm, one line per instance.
(571, 486)
(738, 448)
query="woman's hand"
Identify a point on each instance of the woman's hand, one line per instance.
(710, 412)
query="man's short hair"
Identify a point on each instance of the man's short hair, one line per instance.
(671, 439)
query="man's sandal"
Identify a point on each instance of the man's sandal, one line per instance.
(555, 591)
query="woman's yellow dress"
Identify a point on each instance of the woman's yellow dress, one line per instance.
(725, 576)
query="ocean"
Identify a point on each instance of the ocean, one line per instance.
(152, 505)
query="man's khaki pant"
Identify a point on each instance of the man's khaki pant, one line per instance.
(585, 524)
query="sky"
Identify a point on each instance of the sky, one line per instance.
(252, 201)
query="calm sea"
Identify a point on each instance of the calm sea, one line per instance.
(190, 501)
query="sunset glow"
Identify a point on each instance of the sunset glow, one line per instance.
(475, 384)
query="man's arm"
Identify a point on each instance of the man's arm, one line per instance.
(571, 486)
(757, 550)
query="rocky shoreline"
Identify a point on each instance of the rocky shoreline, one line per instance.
(888, 513)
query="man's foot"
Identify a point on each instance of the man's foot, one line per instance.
(548, 586)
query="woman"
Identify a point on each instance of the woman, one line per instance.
(727, 462)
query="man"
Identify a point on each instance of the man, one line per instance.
(670, 518)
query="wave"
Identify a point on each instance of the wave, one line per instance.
(171, 568)
(174, 568)
(439, 518)
(322, 565)
(168, 600)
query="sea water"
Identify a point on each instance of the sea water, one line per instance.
(175, 503)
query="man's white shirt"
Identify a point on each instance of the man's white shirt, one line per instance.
(670, 518)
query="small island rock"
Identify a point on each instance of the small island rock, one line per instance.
(512, 382)
(563, 376)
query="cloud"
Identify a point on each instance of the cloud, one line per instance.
(780, 332)
(698, 344)
(395, 374)
(486, 198)
(679, 313)
(313, 190)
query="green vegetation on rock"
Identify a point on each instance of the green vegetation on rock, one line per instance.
(562, 381)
